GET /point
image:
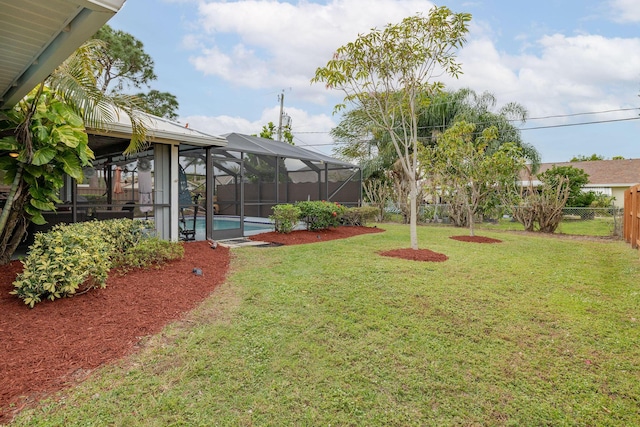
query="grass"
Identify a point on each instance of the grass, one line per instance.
(599, 226)
(531, 331)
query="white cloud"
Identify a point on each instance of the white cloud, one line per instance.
(310, 131)
(568, 74)
(263, 44)
(219, 125)
(626, 10)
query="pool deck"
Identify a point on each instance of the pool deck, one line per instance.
(239, 242)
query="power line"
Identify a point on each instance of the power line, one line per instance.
(556, 116)
(581, 123)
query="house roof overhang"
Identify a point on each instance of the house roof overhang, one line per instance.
(114, 139)
(38, 35)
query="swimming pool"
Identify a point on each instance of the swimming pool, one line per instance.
(252, 225)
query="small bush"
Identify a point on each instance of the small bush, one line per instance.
(285, 217)
(149, 252)
(360, 215)
(321, 214)
(72, 256)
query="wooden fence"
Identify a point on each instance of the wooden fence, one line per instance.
(632, 216)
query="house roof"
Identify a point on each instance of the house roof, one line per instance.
(160, 130)
(38, 35)
(269, 147)
(113, 140)
(608, 173)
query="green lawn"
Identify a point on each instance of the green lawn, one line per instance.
(599, 226)
(528, 332)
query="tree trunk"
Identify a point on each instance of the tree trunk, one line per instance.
(413, 222)
(8, 206)
(18, 223)
(470, 217)
(15, 222)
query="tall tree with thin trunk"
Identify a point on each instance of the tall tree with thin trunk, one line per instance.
(389, 74)
(126, 65)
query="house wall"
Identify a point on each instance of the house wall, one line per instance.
(618, 193)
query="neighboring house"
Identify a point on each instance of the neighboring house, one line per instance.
(610, 177)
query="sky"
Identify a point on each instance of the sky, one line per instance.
(573, 64)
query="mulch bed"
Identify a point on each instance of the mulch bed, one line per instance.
(416, 254)
(475, 239)
(58, 343)
(304, 236)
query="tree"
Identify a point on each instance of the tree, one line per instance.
(269, 130)
(123, 61)
(468, 172)
(43, 138)
(377, 191)
(592, 158)
(360, 141)
(575, 178)
(125, 65)
(543, 206)
(161, 104)
(389, 74)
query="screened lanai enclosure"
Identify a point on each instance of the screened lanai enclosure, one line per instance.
(249, 176)
(195, 186)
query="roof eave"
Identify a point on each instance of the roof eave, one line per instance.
(159, 136)
(82, 27)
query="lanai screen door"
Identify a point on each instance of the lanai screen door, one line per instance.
(228, 198)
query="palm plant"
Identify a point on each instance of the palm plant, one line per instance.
(43, 137)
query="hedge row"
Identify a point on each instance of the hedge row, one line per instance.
(318, 215)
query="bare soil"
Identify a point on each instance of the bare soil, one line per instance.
(59, 343)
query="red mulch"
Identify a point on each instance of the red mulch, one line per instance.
(475, 239)
(59, 343)
(56, 343)
(304, 236)
(416, 254)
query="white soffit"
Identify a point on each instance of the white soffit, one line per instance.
(38, 35)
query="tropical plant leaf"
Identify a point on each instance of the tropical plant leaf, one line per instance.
(43, 156)
(35, 171)
(9, 143)
(71, 165)
(41, 133)
(7, 163)
(67, 135)
(38, 219)
(42, 205)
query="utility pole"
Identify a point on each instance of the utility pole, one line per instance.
(281, 97)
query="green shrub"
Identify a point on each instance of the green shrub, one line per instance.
(321, 214)
(148, 252)
(359, 215)
(285, 217)
(72, 256)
